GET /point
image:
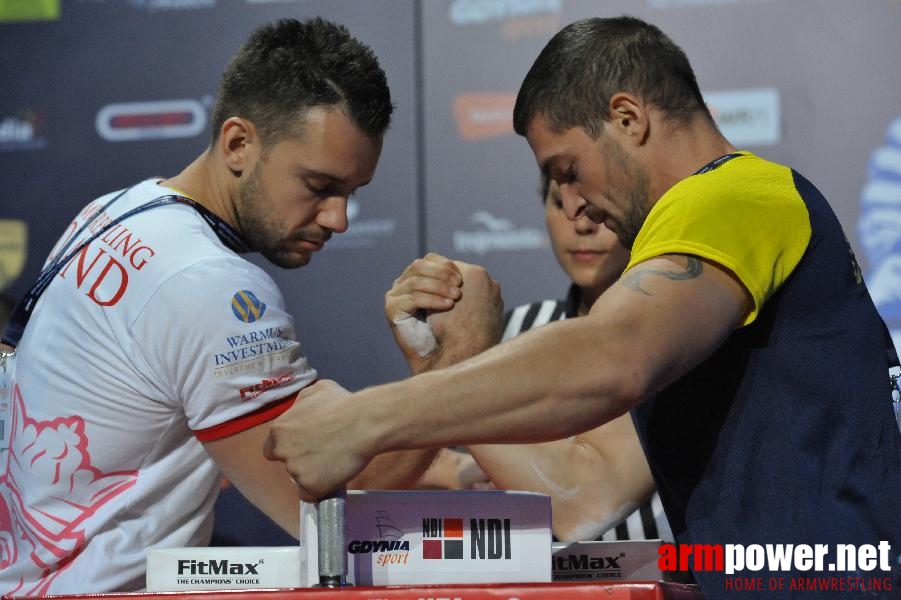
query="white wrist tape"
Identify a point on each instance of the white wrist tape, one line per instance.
(416, 334)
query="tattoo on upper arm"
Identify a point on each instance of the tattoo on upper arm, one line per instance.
(634, 278)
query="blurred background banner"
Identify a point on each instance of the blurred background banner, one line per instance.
(98, 94)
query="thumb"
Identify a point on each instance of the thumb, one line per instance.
(416, 333)
(269, 448)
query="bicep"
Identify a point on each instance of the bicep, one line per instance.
(609, 456)
(266, 484)
(671, 312)
(616, 446)
(594, 479)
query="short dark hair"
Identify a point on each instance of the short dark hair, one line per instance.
(288, 67)
(588, 61)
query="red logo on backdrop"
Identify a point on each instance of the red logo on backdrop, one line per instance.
(164, 119)
(484, 115)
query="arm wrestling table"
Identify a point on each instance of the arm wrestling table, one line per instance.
(328, 530)
(634, 590)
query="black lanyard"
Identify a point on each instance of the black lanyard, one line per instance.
(22, 312)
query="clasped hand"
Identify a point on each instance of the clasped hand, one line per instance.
(330, 435)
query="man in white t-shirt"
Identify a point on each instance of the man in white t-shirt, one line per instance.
(157, 355)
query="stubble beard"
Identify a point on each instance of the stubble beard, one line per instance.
(637, 213)
(633, 184)
(260, 230)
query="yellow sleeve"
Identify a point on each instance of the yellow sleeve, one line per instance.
(745, 215)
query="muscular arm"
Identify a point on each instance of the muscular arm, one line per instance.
(394, 470)
(431, 284)
(269, 487)
(594, 479)
(264, 483)
(660, 320)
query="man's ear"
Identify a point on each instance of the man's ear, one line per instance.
(238, 144)
(629, 117)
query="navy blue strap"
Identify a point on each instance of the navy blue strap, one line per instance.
(22, 312)
(716, 162)
(227, 234)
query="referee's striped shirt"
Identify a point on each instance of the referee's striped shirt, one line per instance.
(649, 521)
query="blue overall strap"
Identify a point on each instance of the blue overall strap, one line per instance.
(22, 312)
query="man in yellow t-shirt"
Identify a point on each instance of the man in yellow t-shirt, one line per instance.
(741, 335)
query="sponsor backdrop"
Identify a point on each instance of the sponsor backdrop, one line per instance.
(101, 93)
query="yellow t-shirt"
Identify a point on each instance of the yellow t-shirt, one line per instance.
(744, 215)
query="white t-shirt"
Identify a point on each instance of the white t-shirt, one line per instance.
(154, 337)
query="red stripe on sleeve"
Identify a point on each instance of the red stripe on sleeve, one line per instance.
(245, 422)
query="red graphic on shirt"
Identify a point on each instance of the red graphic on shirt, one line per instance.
(47, 491)
(102, 273)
